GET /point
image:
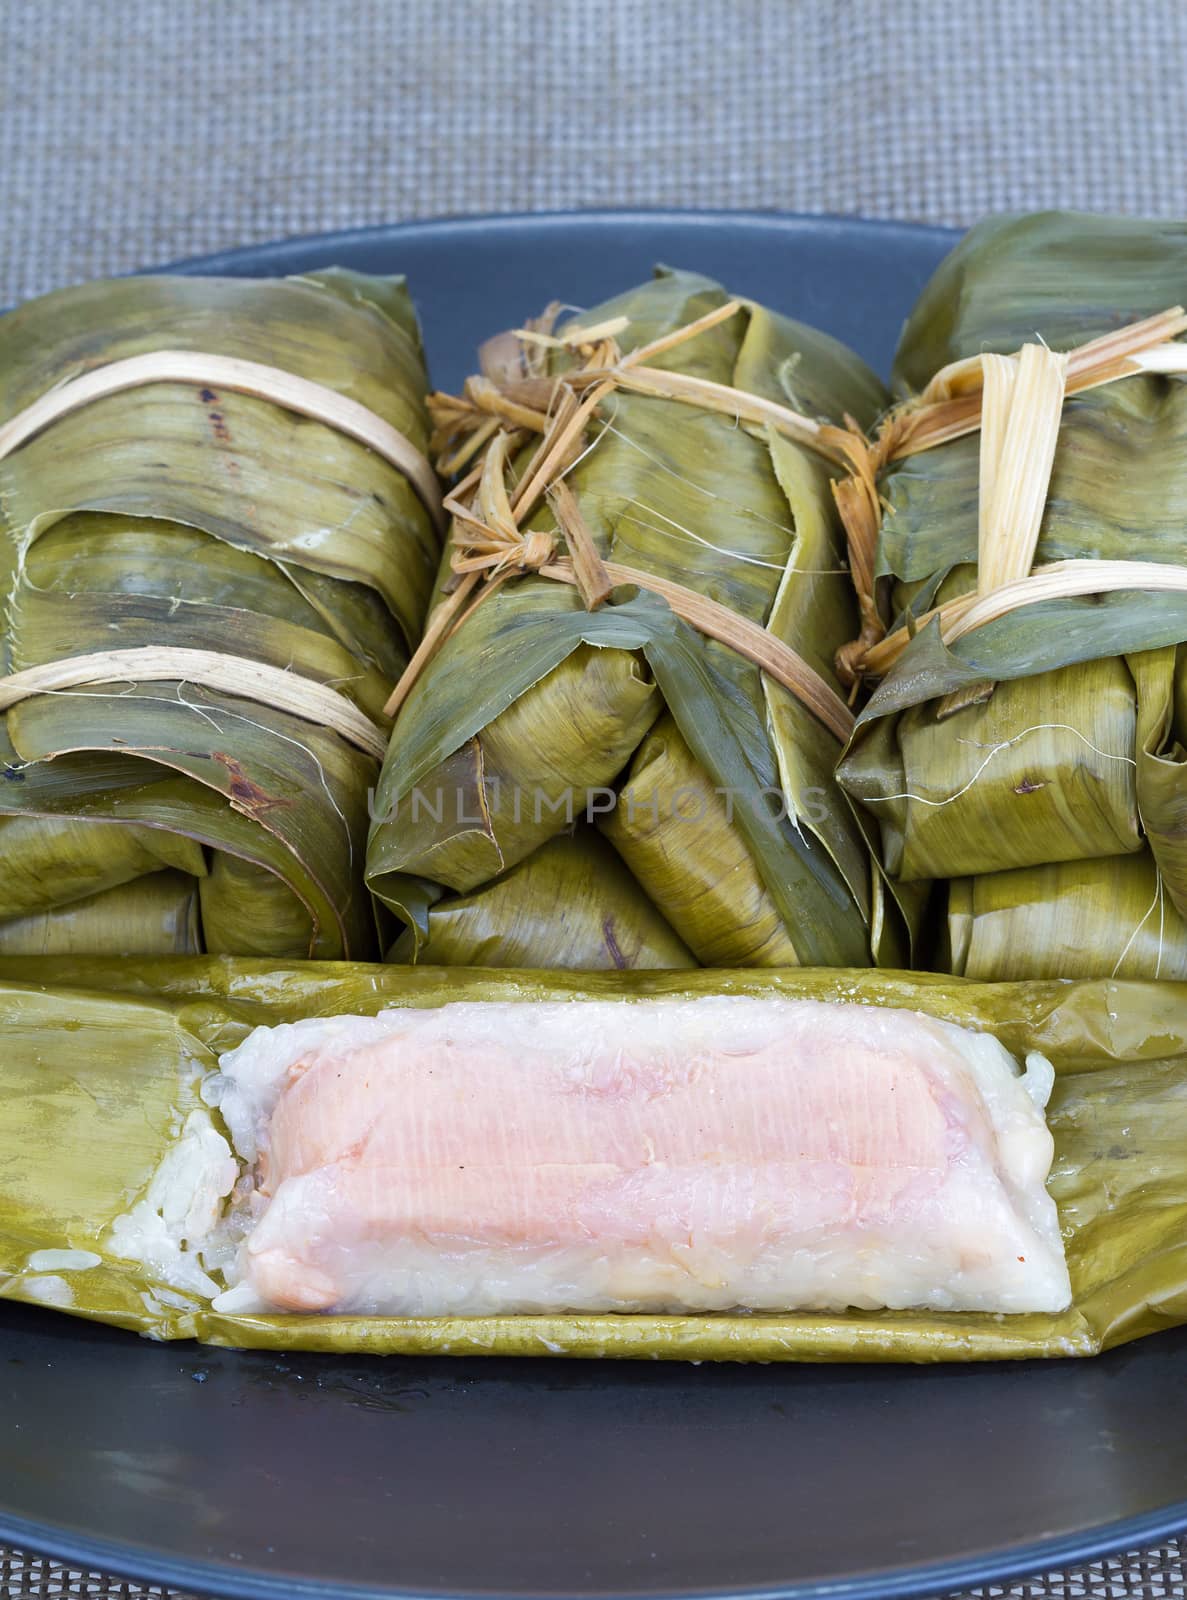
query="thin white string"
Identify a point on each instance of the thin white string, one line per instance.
(1159, 901)
(995, 750)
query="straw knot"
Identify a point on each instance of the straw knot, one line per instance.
(518, 414)
(536, 551)
(503, 553)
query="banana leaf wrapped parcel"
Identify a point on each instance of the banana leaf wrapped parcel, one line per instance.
(1026, 740)
(218, 535)
(632, 642)
(108, 1066)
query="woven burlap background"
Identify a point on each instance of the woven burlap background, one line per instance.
(132, 131)
(136, 131)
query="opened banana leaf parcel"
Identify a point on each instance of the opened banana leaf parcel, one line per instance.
(118, 1171)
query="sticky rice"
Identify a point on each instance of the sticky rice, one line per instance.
(674, 1155)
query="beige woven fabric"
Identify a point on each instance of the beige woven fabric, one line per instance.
(133, 131)
(137, 131)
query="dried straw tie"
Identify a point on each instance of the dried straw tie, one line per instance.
(1017, 404)
(516, 399)
(251, 680)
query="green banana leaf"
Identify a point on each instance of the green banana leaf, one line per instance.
(85, 858)
(248, 910)
(712, 893)
(103, 1061)
(156, 915)
(1105, 918)
(209, 520)
(571, 904)
(529, 717)
(1051, 735)
(1065, 275)
(1041, 770)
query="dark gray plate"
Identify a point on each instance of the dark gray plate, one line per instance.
(246, 1475)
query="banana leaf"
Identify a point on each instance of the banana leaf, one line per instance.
(156, 915)
(712, 892)
(1042, 769)
(247, 910)
(569, 904)
(535, 709)
(1106, 918)
(204, 519)
(1051, 735)
(85, 859)
(104, 1059)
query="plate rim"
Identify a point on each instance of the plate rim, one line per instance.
(482, 221)
(222, 1582)
(144, 1564)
